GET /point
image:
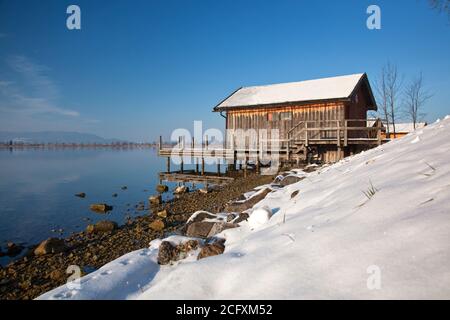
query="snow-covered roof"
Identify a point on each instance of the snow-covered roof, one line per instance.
(340, 87)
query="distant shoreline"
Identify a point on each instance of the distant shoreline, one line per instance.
(77, 145)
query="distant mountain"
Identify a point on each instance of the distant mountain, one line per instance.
(53, 137)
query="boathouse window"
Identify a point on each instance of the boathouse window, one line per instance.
(276, 116)
(285, 115)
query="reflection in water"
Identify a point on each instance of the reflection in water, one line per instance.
(38, 187)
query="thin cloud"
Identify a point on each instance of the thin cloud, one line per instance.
(33, 93)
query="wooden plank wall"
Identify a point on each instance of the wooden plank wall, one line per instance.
(257, 118)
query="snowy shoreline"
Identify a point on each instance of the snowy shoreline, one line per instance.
(384, 212)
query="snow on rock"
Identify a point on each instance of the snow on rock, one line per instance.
(259, 217)
(386, 209)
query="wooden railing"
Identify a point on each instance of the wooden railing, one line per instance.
(339, 130)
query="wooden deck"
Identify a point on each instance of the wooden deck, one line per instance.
(340, 134)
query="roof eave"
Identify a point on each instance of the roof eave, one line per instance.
(280, 104)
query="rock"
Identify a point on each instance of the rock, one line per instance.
(101, 227)
(231, 217)
(114, 195)
(242, 217)
(157, 225)
(155, 200)
(293, 194)
(189, 245)
(245, 205)
(124, 188)
(100, 207)
(199, 229)
(166, 252)
(13, 249)
(169, 253)
(162, 214)
(80, 195)
(206, 229)
(57, 275)
(51, 245)
(212, 249)
(162, 188)
(290, 180)
(181, 190)
(218, 227)
(202, 215)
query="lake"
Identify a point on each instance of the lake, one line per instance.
(38, 187)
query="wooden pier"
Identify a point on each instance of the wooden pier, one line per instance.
(306, 141)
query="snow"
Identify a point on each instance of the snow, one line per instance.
(259, 217)
(324, 243)
(309, 90)
(406, 127)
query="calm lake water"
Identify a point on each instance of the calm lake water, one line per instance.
(37, 188)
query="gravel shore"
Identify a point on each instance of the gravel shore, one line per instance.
(33, 275)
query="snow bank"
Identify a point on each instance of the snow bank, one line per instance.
(382, 213)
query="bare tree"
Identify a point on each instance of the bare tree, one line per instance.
(393, 89)
(382, 98)
(441, 6)
(415, 98)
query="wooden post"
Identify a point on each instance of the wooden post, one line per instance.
(288, 155)
(203, 159)
(218, 167)
(192, 147)
(245, 166)
(160, 143)
(182, 165)
(379, 131)
(306, 133)
(257, 163)
(345, 134)
(203, 166)
(196, 165)
(338, 134)
(168, 164)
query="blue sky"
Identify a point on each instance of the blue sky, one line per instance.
(137, 69)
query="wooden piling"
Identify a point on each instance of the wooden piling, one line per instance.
(218, 167)
(203, 166)
(245, 166)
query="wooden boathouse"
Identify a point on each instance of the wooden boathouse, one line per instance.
(318, 120)
(323, 119)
